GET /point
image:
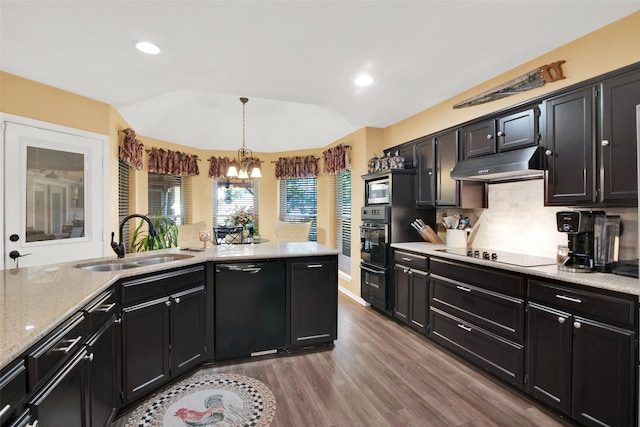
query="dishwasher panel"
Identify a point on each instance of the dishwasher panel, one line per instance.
(250, 308)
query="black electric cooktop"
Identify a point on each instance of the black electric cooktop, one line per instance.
(521, 260)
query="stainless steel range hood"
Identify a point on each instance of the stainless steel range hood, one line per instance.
(523, 163)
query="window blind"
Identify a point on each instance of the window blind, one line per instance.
(343, 219)
(169, 196)
(230, 196)
(299, 202)
(124, 194)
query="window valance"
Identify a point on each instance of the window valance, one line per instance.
(172, 162)
(131, 149)
(336, 159)
(297, 167)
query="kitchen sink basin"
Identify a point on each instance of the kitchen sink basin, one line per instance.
(114, 265)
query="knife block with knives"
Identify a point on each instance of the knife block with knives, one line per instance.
(426, 232)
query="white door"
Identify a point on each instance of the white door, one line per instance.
(54, 197)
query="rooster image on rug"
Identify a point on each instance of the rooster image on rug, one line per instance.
(209, 417)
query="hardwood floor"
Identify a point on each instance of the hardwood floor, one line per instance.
(383, 374)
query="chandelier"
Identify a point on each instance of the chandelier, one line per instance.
(245, 166)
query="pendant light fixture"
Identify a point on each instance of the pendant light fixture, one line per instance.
(245, 166)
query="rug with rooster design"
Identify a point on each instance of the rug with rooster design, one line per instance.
(217, 400)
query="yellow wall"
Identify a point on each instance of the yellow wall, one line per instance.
(604, 50)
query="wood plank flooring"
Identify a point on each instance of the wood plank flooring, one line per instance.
(381, 373)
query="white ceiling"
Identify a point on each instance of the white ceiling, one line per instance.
(295, 60)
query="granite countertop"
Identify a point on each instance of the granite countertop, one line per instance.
(608, 281)
(35, 300)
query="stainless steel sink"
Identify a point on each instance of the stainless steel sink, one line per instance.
(114, 265)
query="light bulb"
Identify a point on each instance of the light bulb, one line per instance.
(232, 172)
(256, 173)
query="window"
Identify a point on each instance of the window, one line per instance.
(230, 196)
(343, 220)
(299, 202)
(124, 174)
(169, 197)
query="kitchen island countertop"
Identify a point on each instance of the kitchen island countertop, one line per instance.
(35, 300)
(608, 281)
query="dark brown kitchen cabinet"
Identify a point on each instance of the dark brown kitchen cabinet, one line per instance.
(480, 139)
(425, 163)
(446, 151)
(314, 302)
(162, 328)
(411, 280)
(503, 133)
(581, 366)
(617, 137)
(13, 391)
(569, 148)
(590, 147)
(479, 313)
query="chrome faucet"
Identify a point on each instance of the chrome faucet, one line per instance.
(119, 247)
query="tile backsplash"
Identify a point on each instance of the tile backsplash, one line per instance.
(518, 221)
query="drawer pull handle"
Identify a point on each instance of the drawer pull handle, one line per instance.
(68, 348)
(462, 288)
(89, 357)
(117, 320)
(34, 424)
(314, 265)
(107, 308)
(466, 328)
(561, 319)
(570, 299)
(577, 325)
(4, 410)
(407, 259)
(373, 285)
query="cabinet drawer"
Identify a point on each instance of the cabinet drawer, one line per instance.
(487, 278)
(501, 357)
(13, 389)
(99, 310)
(54, 349)
(498, 313)
(605, 307)
(409, 259)
(158, 285)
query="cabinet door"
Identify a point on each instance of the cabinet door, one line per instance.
(62, 401)
(314, 302)
(479, 139)
(419, 300)
(446, 159)
(548, 349)
(617, 140)
(569, 141)
(104, 373)
(145, 350)
(518, 130)
(425, 177)
(401, 285)
(603, 374)
(187, 330)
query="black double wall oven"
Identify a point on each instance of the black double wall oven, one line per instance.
(385, 219)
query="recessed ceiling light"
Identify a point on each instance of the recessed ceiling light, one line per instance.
(364, 80)
(148, 47)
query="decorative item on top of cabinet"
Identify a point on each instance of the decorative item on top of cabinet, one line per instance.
(581, 352)
(583, 170)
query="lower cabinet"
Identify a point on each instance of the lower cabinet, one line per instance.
(411, 286)
(314, 302)
(479, 313)
(162, 329)
(581, 366)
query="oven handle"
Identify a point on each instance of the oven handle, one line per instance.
(373, 227)
(371, 270)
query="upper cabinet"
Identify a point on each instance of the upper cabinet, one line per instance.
(590, 146)
(424, 161)
(502, 133)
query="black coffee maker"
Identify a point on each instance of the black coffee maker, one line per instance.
(580, 228)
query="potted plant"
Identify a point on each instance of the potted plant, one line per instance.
(167, 235)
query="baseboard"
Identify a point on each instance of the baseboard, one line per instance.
(353, 296)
